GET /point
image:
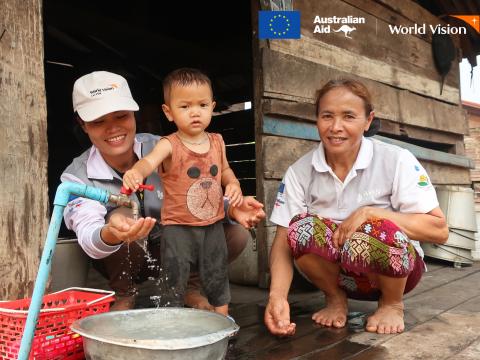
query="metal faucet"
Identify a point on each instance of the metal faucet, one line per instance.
(122, 199)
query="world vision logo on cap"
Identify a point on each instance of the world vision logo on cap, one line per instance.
(279, 25)
(101, 91)
(472, 20)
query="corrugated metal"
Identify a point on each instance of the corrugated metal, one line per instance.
(457, 204)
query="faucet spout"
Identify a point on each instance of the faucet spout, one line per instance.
(124, 200)
(135, 209)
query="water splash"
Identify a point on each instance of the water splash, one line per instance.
(166, 295)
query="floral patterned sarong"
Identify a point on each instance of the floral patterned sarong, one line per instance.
(378, 246)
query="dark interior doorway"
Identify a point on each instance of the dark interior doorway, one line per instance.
(143, 40)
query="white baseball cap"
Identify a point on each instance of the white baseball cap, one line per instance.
(100, 93)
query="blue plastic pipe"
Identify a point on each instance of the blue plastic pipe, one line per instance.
(61, 199)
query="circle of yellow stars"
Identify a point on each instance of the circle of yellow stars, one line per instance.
(286, 25)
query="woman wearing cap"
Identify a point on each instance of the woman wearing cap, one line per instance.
(346, 213)
(105, 109)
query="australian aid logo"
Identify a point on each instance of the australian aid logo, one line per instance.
(336, 24)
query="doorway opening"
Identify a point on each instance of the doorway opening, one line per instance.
(143, 40)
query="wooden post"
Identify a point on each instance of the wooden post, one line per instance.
(23, 146)
(262, 248)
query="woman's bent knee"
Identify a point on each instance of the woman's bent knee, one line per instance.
(237, 238)
(311, 234)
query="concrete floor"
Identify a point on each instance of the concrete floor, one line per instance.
(442, 318)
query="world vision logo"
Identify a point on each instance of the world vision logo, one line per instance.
(422, 29)
(100, 91)
(472, 20)
(345, 25)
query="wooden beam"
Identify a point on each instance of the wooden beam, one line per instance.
(410, 10)
(263, 250)
(389, 15)
(443, 174)
(408, 52)
(290, 109)
(401, 12)
(306, 112)
(280, 153)
(276, 162)
(429, 135)
(383, 71)
(308, 131)
(389, 102)
(289, 128)
(431, 155)
(24, 212)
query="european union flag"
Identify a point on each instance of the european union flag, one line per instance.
(279, 25)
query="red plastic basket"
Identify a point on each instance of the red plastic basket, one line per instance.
(53, 338)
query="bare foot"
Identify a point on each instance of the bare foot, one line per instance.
(223, 310)
(388, 319)
(335, 313)
(196, 300)
(123, 303)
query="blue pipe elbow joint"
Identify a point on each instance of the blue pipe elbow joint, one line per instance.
(62, 197)
(66, 189)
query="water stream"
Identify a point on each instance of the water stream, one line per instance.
(164, 294)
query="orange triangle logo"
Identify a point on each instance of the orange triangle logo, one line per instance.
(472, 20)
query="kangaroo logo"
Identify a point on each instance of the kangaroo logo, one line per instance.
(346, 29)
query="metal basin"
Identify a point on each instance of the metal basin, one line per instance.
(164, 333)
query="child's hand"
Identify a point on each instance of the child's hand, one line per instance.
(234, 194)
(132, 179)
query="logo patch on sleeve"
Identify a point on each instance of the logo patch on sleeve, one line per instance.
(423, 181)
(280, 195)
(74, 204)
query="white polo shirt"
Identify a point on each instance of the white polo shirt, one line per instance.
(383, 175)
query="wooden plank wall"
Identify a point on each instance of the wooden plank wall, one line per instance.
(398, 70)
(23, 147)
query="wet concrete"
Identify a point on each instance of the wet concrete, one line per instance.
(442, 322)
(310, 341)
